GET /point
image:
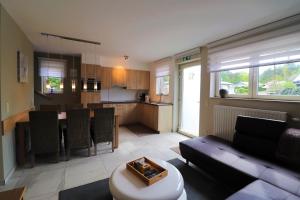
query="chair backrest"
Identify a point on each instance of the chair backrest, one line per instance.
(78, 128)
(103, 124)
(73, 106)
(48, 107)
(94, 106)
(44, 131)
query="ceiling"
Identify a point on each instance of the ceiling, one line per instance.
(146, 30)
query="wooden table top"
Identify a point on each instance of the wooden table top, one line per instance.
(14, 194)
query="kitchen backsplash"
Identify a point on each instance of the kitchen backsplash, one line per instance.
(118, 94)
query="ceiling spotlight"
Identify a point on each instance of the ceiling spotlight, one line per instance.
(126, 57)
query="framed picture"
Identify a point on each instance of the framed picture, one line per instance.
(22, 67)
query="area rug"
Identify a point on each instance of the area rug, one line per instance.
(198, 185)
(140, 130)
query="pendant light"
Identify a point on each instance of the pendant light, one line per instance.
(73, 82)
(48, 86)
(85, 80)
(61, 85)
(95, 80)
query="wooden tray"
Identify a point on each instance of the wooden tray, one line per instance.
(149, 181)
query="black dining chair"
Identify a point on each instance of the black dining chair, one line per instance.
(48, 107)
(77, 132)
(94, 106)
(44, 133)
(103, 126)
(73, 106)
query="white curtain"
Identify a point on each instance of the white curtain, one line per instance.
(52, 67)
(277, 50)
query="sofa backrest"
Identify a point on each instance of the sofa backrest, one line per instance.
(258, 136)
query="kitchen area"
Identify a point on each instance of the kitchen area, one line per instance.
(127, 91)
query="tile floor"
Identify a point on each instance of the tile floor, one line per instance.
(45, 180)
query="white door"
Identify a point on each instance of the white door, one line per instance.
(189, 100)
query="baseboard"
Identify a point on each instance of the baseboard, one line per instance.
(3, 182)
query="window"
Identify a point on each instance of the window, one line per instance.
(281, 81)
(236, 82)
(162, 85)
(52, 74)
(267, 68)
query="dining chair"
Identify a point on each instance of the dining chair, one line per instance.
(73, 106)
(44, 133)
(103, 126)
(94, 106)
(77, 132)
(48, 107)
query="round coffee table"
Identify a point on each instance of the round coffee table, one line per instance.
(124, 185)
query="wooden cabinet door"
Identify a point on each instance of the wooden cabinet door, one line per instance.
(98, 73)
(131, 79)
(106, 74)
(119, 77)
(143, 80)
(131, 113)
(90, 71)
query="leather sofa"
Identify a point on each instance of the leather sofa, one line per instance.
(252, 162)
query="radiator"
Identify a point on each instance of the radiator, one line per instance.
(225, 118)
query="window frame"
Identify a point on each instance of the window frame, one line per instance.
(253, 88)
(161, 94)
(217, 85)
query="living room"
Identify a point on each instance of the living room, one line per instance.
(150, 99)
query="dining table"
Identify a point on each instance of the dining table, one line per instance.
(23, 135)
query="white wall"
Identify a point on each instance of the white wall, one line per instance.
(109, 61)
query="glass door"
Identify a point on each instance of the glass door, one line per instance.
(189, 99)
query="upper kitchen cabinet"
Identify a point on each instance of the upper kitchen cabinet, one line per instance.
(90, 71)
(131, 79)
(143, 80)
(118, 77)
(106, 77)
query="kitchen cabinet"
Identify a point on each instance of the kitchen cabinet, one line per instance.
(143, 80)
(131, 79)
(90, 71)
(105, 77)
(118, 77)
(156, 117)
(90, 97)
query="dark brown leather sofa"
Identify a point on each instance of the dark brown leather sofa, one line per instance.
(252, 162)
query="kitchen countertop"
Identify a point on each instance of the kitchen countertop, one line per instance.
(125, 102)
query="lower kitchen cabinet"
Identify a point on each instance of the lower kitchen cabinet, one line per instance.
(156, 117)
(90, 97)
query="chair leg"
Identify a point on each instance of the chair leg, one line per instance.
(57, 156)
(112, 147)
(32, 159)
(89, 151)
(68, 152)
(95, 148)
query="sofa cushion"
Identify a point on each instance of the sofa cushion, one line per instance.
(289, 148)
(260, 128)
(258, 136)
(260, 190)
(254, 145)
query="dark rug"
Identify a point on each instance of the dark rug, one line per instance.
(198, 185)
(140, 130)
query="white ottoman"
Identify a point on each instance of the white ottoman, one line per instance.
(124, 185)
